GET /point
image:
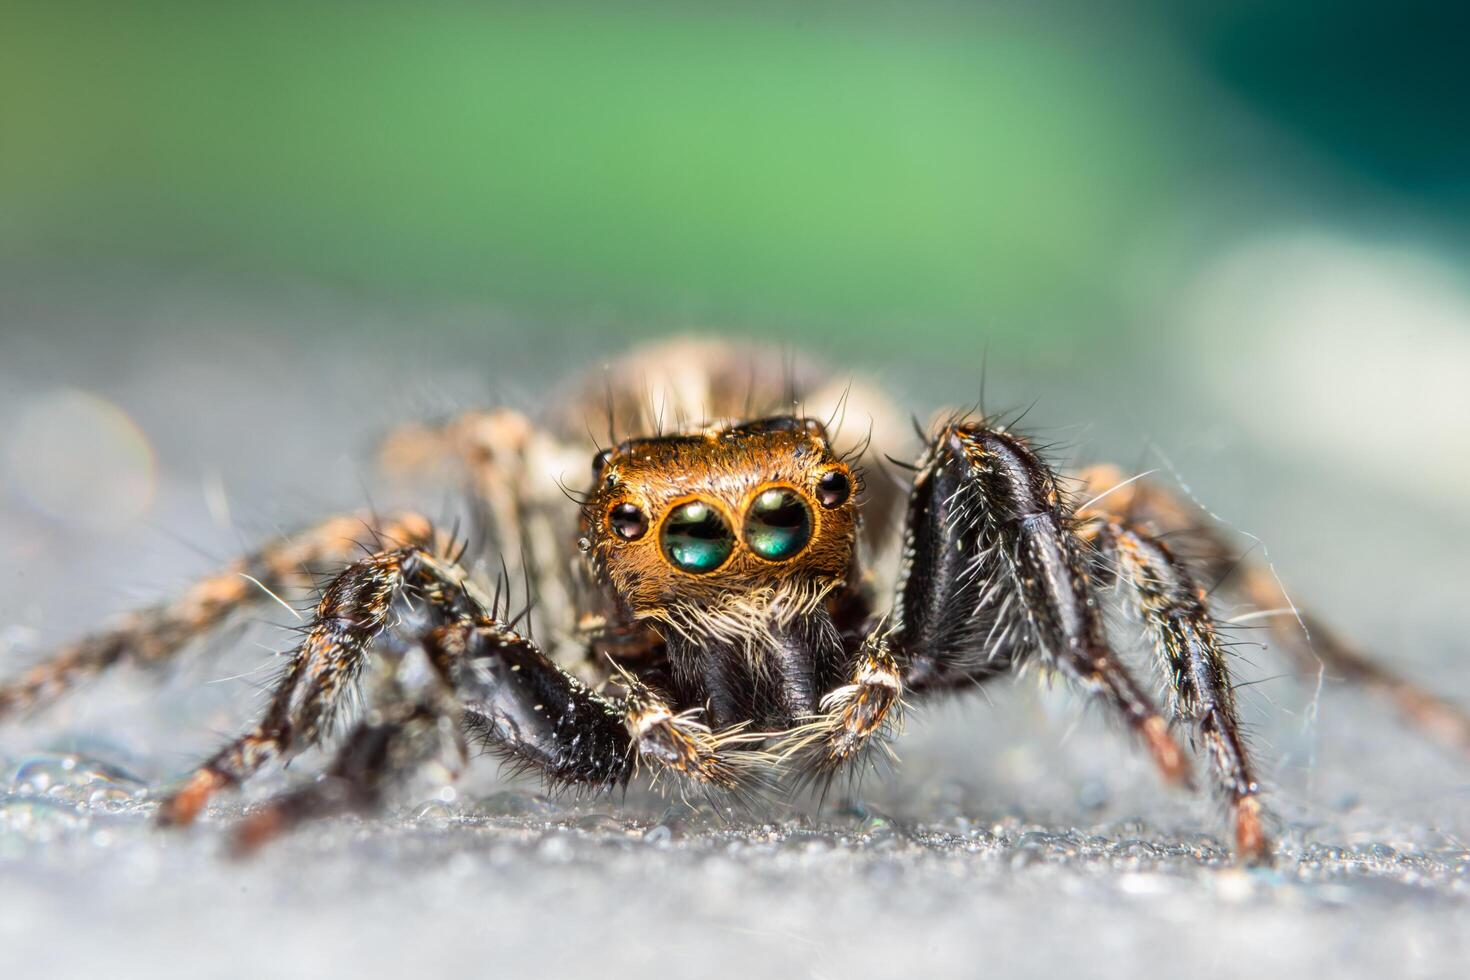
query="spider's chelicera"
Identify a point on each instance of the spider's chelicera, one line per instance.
(712, 606)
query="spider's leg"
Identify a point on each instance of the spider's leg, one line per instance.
(485, 448)
(514, 698)
(354, 611)
(1177, 615)
(518, 703)
(521, 705)
(372, 754)
(156, 634)
(498, 689)
(994, 571)
(1311, 643)
(511, 472)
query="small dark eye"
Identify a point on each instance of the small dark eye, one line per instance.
(628, 522)
(778, 524)
(833, 489)
(599, 461)
(696, 538)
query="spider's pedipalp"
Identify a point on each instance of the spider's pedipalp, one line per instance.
(679, 745)
(854, 717)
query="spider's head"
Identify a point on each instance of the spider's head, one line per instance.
(761, 510)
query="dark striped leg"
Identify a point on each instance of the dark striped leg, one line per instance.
(1313, 644)
(1177, 615)
(157, 634)
(994, 572)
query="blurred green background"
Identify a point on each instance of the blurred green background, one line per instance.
(1019, 174)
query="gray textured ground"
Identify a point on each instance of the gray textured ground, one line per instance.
(1013, 841)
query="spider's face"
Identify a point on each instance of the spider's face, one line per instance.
(754, 508)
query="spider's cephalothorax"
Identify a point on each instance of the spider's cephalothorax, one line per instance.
(716, 629)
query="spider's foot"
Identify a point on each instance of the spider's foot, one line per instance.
(180, 809)
(1251, 841)
(273, 818)
(256, 830)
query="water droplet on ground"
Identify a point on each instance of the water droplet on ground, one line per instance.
(76, 779)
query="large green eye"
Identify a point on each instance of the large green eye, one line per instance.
(696, 538)
(778, 524)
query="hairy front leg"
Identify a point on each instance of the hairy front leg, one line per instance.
(994, 572)
(506, 692)
(494, 687)
(522, 706)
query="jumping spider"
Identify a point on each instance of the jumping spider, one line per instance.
(717, 626)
